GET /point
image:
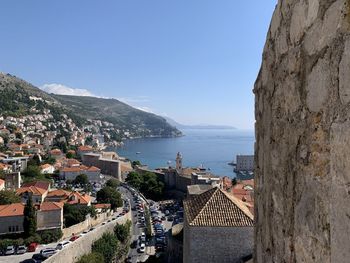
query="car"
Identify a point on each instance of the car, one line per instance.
(91, 229)
(163, 218)
(73, 238)
(142, 248)
(62, 245)
(166, 212)
(103, 223)
(39, 257)
(109, 220)
(48, 252)
(170, 218)
(84, 232)
(21, 249)
(32, 247)
(143, 237)
(10, 250)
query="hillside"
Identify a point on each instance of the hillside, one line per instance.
(20, 98)
(118, 113)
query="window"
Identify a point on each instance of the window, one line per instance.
(16, 228)
(10, 229)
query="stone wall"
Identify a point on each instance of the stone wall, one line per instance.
(217, 244)
(302, 151)
(82, 245)
(89, 222)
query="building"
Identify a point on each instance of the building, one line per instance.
(100, 208)
(84, 149)
(2, 184)
(13, 180)
(58, 195)
(11, 218)
(217, 228)
(19, 164)
(50, 215)
(108, 166)
(47, 169)
(56, 154)
(37, 194)
(93, 173)
(244, 163)
(76, 198)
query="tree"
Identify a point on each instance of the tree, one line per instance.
(134, 179)
(70, 155)
(8, 197)
(122, 232)
(93, 257)
(234, 181)
(134, 163)
(75, 214)
(114, 183)
(109, 195)
(81, 179)
(107, 246)
(29, 221)
(32, 171)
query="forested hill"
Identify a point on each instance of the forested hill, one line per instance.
(19, 98)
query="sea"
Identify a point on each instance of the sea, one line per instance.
(212, 149)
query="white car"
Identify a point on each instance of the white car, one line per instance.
(62, 245)
(142, 248)
(10, 250)
(21, 250)
(48, 252)
(143, 237)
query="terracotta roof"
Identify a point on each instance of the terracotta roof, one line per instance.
(71, 169)
(71, 162)
(31, 189)
(2, 182)
(45, 166)
(11, 210)
(85, 148)
(40, 184)
(58, 193)
(215, 208)
(49, 206)
(78, 198)
(101, 206)
(56, 152)
(93, 169)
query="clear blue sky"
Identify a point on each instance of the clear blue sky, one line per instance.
(193, 60)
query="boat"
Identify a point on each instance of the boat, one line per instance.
(138, 152)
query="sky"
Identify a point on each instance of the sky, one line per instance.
(194, 61)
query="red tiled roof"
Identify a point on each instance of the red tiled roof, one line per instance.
(56, 152)
(31, 189)
(216, 208)
(11, 210)
(49, 206)
(58, 193)
(45, 166)
(2, 182)
(93, 169)
(40, 184)
(84, 148)
(78, 198)
(102, 206)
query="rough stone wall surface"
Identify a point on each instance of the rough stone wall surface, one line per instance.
(302, 150)
(217, 244)
(82, 245)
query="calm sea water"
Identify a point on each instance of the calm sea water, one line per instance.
(212, 148)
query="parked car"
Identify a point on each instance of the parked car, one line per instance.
(62, 245)
(142, 248)
(32, 247)
(170, 218)
(21, 250)
(48, 252)
(163, 218)
(10, 250)
(91, 229)
(133, 244)
(73, 238)
(143, 237)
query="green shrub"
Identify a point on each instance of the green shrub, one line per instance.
(107, 246)
(50, 236)
(92, 257)
(32, 239)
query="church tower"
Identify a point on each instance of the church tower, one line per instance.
(178, 161)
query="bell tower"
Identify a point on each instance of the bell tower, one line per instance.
(178, 161)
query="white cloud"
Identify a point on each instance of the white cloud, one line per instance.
(64, 90)
(143, 108)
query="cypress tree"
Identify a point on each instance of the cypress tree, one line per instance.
(29, 222)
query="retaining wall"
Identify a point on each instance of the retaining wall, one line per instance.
(82, 246)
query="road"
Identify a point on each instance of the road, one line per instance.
(136, 230)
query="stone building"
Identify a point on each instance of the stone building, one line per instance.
(49, 215)
(217, 228)
(302, 165)
(244, 163)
